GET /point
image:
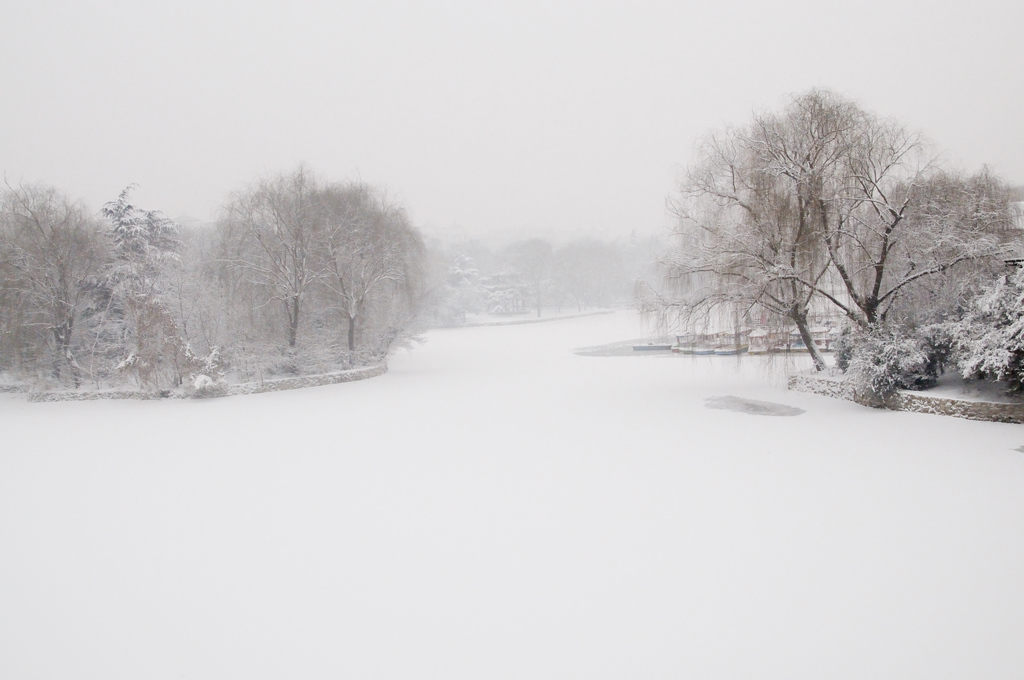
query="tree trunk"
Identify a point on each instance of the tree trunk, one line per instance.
(62, 352)
(292, 307)
(351, 334)
(76, 373)
(58, 349)
(870, 309)
(805, 334)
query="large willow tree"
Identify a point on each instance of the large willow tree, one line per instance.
(822, 204)
(753, 210)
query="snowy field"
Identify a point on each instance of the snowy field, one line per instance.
(498, 507)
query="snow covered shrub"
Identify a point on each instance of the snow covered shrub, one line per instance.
(505, 301)
(287, 363)
(202, 386)
(938, 344)
(207, 377)
(201, 382)
(884, 359)
(842, 348)
(989, 341)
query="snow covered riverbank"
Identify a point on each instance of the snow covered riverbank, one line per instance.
(496, 506)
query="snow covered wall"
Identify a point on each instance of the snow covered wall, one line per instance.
(498, 507)
(278, 385)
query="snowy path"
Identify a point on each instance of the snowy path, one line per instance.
(497, 507)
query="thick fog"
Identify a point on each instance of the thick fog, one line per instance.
(530, 117)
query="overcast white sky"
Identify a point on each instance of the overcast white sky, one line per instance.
(568, 117)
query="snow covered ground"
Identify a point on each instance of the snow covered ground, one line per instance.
(499, 507)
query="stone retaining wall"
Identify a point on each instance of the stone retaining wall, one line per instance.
(916, 402)
(837, 389)
(308, 381)
(958, 408)
(92, 395)
(220, 391)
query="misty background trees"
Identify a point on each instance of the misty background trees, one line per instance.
(300, 275)
(825, 213)
(536, 277)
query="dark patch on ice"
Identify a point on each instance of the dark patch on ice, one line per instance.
(753, 407)
(1020, 448)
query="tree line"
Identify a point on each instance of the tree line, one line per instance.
(535, 276)
(826, 211)
(299, 275)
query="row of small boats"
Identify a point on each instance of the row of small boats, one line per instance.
(753, 341)
(744, 341)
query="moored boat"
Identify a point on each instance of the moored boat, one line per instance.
(684, 344)
(651, 347)
(729, 344)
(760, 341)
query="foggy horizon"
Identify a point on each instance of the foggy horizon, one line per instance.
(480, 119)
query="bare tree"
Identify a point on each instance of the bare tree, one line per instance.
(901, 223)
(53, 252)
(275, 226)
(373, 256)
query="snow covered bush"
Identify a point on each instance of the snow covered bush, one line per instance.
(461, 293)
(938, 344)
(207, 378)
(843, 348)
(885, 359)
(203, 386)
(505, 301)
(989, 341)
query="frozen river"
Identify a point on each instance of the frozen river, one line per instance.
(499, 507)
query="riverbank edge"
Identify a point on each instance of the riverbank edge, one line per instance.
(914, 402)
(216, 391)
